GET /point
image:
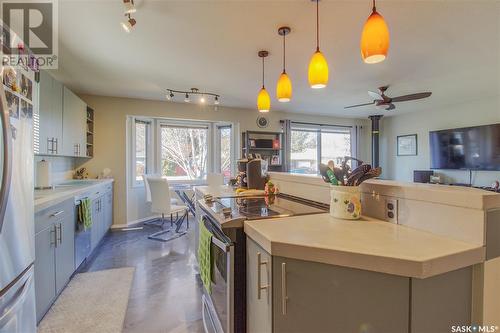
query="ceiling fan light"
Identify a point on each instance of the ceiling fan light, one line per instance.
(318, 71)
(284, 88)
(375, 39)
(263, 101)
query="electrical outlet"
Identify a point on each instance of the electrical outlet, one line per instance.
(391, 210)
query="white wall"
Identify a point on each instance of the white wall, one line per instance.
(479, 112)
(110, 139)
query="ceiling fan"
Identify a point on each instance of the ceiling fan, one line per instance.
(382, 101)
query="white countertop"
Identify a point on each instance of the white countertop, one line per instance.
(367, 244)
(48, 198)
(216, 191)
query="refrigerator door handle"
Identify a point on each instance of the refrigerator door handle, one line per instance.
(10, 307)
(7, 156)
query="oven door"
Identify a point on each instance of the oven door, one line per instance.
(218, 306)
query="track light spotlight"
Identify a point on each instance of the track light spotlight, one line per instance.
(187, 100)
(129, 24)
(129, 6)
(216, 100)
(202, 99)
(170, 96)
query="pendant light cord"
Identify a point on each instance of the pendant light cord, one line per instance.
(317, 25)
(263, 86)
(374, 7)
(284, 54)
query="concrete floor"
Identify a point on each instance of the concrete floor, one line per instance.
(166, 292)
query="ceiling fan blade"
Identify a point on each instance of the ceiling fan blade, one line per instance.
(411, 97)
(375, 95)
(358, 105)
(391, 107)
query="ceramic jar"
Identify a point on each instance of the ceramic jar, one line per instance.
(345, 202)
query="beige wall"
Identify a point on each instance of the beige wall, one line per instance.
(110, 138)
(479, 112)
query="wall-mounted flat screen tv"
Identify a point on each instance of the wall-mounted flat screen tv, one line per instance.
(470, 148)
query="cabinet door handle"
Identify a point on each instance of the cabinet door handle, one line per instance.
(56, 214)
(59, 234)
(260, 263)
(53, 236)
(284, 297)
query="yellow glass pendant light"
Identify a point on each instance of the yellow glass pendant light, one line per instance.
(375, 38)
(263, 99)
(318, 67)
(284, 85)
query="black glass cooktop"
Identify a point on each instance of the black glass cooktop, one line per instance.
(253, 208)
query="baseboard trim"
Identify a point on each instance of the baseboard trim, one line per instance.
(144, 219)
(128, 224)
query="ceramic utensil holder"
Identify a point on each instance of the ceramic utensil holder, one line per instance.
(345, 202)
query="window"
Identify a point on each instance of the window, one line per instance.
(335, 145)
(184, 152)
(313, 143)
(304, 154)
(224, 155)
(142, 131)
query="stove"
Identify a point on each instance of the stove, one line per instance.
(224, 310)
(232, 211)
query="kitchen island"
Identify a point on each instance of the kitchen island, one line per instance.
(318, 273)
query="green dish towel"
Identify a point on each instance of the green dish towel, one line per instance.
(204, 257)
(85, 213)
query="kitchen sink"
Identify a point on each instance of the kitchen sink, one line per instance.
(77, 182)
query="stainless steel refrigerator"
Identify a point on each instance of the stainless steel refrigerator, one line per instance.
(17, 253)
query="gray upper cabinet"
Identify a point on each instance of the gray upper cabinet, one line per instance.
(74, 124)
(62, 119)
(51, 115)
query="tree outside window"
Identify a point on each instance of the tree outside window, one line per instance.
(184, 152)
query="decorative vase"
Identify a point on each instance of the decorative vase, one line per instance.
(345, 202)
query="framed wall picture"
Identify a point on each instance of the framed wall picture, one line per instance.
(407, 145)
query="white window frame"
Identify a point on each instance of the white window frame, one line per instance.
(322, 128)
(233, 148)
(132, 151)
(154, 146)
(186, 123)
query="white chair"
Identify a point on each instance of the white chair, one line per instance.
(148, 191)
(215, 179)
(161, 204)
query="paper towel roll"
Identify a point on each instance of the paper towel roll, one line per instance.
(43, 174)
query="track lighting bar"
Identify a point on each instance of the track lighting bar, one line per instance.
(193, 91)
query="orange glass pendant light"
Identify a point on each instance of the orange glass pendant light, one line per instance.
(263, 99)
(318, 67)
(375, 38)
(284, 85)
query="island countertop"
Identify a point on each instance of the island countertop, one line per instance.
(368, 244)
